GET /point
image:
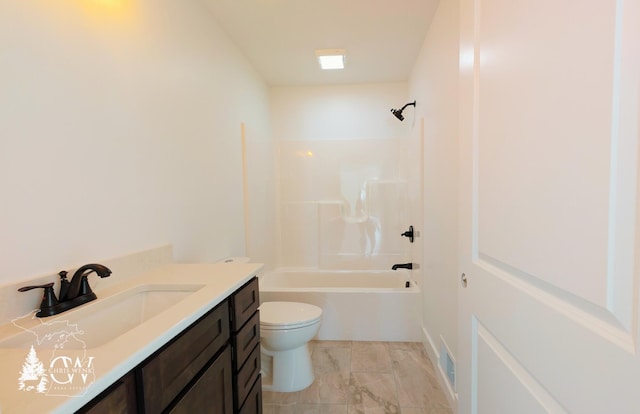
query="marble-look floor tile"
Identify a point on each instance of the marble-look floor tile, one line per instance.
(371, 392)
(370, 357)
(416, 379)
(278, 409)
(272, 397)
(304, 408)
(328, 388)
(349, 381)
(439, 408)
(406, 346)
(355, 409)
(413, 410)
(321, 409)
(331, 359)
(330, 344)
(434, 408)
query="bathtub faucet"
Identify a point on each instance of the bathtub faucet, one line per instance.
(402, 266)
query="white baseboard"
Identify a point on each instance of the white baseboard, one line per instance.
(433, 353)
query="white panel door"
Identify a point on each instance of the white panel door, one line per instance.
(549, 122)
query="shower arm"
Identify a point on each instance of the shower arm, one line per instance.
(409, 104)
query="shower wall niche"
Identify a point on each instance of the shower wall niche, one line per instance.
(343, 203)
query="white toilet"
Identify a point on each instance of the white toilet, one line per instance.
(285, 331)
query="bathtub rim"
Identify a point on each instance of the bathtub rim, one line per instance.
(407, 275)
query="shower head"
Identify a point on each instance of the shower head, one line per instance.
(398, 112)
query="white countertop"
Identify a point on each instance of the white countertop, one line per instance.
(118, 356)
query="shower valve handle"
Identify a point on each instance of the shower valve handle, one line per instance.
(409, 234)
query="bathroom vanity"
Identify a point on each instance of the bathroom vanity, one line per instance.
(212, 366)
(199, 355)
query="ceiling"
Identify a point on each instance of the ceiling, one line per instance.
(382, 38)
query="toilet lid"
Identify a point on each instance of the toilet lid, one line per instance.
(288, 314)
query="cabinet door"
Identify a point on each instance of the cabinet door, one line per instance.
(212, 393)
(169, 371)
(119, 398)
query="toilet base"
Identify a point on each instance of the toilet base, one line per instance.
(286, 371)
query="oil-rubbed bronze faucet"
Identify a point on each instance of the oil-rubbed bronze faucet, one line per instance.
(72, 294)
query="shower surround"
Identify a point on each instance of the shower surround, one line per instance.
(343, 207)
(343, 204)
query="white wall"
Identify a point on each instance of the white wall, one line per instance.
(434, 84)
(120, 131)
(343, 187)
(344, 112)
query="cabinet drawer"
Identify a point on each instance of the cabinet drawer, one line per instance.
(244, 303)
(247, 375)
(246, 339)
(253, 404)
(212, 392)
(166, 373)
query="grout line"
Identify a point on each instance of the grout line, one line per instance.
(395, 378)
(350, 371)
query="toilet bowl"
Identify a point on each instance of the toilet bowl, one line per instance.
(285, 331)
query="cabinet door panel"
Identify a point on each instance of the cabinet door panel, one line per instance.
(212, 392)
(119, 398)
(166, 374)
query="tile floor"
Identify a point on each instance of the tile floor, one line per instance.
(365, 378)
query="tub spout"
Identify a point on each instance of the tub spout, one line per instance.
(402, 266)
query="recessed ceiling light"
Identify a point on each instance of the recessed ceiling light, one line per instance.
(331, 58)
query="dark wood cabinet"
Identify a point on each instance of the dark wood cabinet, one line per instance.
(245, 325)
(246, 339)
(213, 391)
(118, 398)
(247, 375)
(253, 402)
(213, 366)
(167, 372)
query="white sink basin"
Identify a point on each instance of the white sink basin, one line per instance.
(98, 322)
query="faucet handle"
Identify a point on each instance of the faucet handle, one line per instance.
(64, 285)
(85, 289)
(45, 287)
(49, 299)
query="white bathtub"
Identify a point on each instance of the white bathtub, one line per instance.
(356, 305)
